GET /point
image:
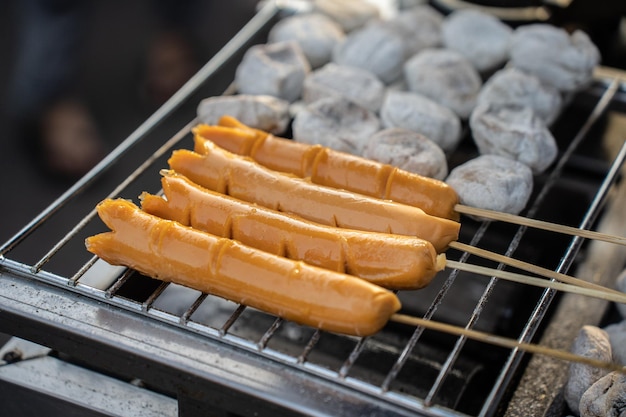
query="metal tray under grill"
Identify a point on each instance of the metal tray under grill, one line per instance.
(213, 354)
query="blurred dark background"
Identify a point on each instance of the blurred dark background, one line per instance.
(123, 74)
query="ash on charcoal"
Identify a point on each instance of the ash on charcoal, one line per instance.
(605, 398)
(591, 342)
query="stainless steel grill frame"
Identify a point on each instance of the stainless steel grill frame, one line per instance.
(233, 363)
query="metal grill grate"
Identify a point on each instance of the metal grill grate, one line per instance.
(200, 342)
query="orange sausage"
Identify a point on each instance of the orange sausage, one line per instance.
(242, 178)
(305, 294)
(328, 167)
(392, 261)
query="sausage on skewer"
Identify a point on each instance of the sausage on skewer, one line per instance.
(391, 261)
(242, 178)
(332, 168)
(294, 290)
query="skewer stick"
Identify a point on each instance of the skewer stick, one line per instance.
(548, 273)
(538, 282)
(539, 224)
(505, 342)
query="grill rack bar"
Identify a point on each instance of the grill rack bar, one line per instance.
(430, 312)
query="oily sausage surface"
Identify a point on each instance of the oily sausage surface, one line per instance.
(296, 291)
(392, 261)
(329, 167)
(242, 178)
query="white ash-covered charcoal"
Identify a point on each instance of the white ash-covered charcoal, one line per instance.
(296, 107)
(620, 284)
(617, 337)
(350, 14)
(562, 60)
(409, 151)
(419, 27)
(276, 69)
(337, 123)
(409, 4)
(512, 86)
(316, 34)
(398, 85)
(514, 132)
(605, 398)
(492, 182)
(445, 76)
(258, 111)
(591, 342)
(375, 48)
(355, 84)
(482, 38)
(420, 114)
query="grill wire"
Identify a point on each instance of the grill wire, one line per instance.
(307, 350)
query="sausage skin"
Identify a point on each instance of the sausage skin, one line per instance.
(328, 167)
(290, 289)
(244, 179)
(392, 261)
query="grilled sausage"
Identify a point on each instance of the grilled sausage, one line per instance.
(328, 167)
(242, 178)
(391, 261)
(305, 294)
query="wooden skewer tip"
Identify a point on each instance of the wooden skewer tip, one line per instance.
(538, 282)
(538, 224)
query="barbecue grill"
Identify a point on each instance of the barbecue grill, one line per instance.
(162, 346)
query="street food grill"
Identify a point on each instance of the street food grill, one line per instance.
(207, 352)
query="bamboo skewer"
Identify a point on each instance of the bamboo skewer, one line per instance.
(548, 273)
(538, 282)
(505, 342)
(539, 224)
